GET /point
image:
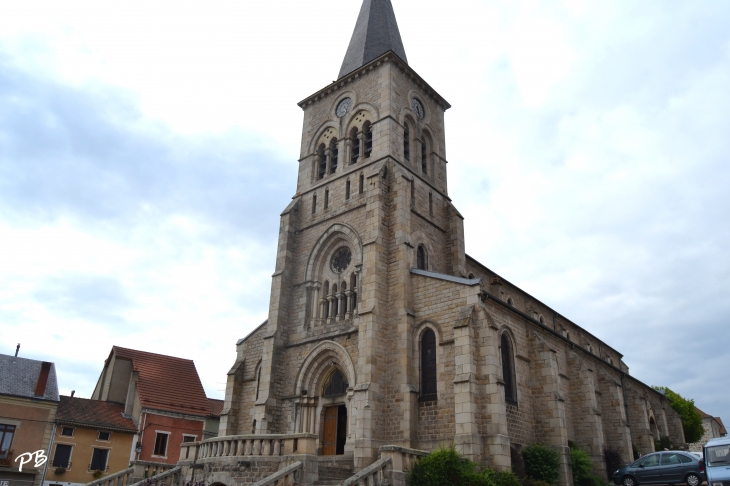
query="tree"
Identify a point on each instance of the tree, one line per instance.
(691, 419)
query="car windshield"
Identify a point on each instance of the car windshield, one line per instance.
(718, 455)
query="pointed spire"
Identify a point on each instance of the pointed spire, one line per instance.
(376, 33)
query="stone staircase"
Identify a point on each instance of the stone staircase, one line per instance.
(334, 471)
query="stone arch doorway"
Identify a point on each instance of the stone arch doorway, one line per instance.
(333, 433)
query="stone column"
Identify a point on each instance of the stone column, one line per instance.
(330, 303)
(350, 303)
(361, 137)
(467, 439)
(587, 425)
(615, 426)
(328, 155)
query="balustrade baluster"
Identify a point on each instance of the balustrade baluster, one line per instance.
(249, 447)
(277, 447)
(256, 447)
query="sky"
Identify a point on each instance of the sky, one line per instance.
(148, 148)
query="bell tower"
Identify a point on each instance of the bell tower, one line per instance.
(371, 205)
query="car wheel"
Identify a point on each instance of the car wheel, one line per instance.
(693, 480)
(630, 481)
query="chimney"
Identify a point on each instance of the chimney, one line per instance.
(17, 348)
(72, 393)
(40, 387)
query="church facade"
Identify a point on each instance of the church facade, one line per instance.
(383, 331)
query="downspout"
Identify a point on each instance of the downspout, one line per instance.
(48, 453)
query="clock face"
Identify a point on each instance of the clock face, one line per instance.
(341, 259)
(343, 107)
(418, 108)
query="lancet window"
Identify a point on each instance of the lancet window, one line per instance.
(347, 189)
(362, 183)
(424, 158)
(336, 385)
(354, 147)
(428, 366)
(322, 158)
(406, 143)
(368, 139)
(421, 258)
(334, 151)
(508, 370)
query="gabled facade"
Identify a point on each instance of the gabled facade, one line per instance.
(93, 438)
(714, 428)
(28, 403)
(161, 394)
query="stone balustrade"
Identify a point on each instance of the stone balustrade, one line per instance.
(122, 478)
(287, 476)
(373, 475)
(171, 477)
(249, 445)
(403, 460)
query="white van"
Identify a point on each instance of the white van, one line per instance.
(717, 461)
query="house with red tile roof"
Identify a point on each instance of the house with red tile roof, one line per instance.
(162, 395)
(713, 428)
(93, 438)
(213, 421)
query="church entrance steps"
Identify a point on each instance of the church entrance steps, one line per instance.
(334, 469)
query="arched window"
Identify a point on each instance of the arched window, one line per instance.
(314, 203)
(258, 382)
(428, 366)
(326, 198)
(406, 143)
(471, 276)
(510, 301)
(508, 370)
(343, 287)
(335, 153)
(424, 158)
(347, 189)
(368, 135)
(413, 193)
(421, 258)
(355, 148)
(542, 320)
(353, 288)
(362, 183)
(322, 161)
(336, 385)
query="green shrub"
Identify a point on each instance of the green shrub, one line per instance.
(613, 460)
(534, 482)
(663, 443)
(542, 463)
(506, 478)
(580, 463)
(447, 467)
(592, 480)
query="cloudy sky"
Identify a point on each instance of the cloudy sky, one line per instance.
(147, 149)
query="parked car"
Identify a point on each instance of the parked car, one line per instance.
(698, 455)
(665, 467)
(717, 461)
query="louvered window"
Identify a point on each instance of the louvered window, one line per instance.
(406, 143)
(62, 457)
(322, 162)
(99, 457)
(368, 140)
(355, 150)
(428, 366)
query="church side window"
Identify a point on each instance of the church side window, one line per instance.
(343, 289)
(258, 382)
(508, 370)
(335, 155)
(353, 288)
(406, 143)
(347, 189)
(424, 158)
(413, 193)
(368, 136)
(430, 203)
(421, 258)
(362, 183)
(334, 301)
(326, 312)
(355, 150)
(314, 203)
(322, 161)
(326, 198)
(428, 366)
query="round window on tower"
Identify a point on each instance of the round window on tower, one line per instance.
(341, 259)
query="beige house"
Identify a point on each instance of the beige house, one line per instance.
(384, 337)
(713, 428)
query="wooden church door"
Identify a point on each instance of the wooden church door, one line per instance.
(329, 436)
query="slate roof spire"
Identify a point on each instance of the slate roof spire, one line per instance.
(376, 32)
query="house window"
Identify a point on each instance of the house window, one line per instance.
(428, 366)
(189, 438)
(67, 431)
(337, 384)
(62, 457)
(99, 458)
(6, 439)
(508, 371)
(104, 436)
(422, 258)
(161, 444)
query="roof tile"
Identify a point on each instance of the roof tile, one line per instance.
(94, 414)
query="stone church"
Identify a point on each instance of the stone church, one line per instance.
(383, 334)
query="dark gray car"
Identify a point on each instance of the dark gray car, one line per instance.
(667, 467)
